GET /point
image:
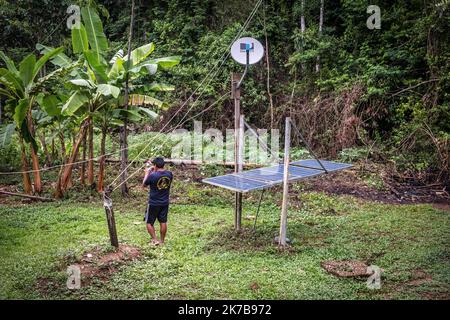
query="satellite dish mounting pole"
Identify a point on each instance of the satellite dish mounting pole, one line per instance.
(236, 95)
(246, 69)
(245, 51)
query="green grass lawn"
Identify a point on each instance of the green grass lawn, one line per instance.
(205, 259)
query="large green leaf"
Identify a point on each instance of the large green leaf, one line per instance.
(26, 69)
(147, 67)
(138, 55)
(9, 63)
(167, 62)
(79, 39)
(108, 90)
(58, 73)
(47, 56)
(94, 29)
(6, 93)
(11, 81)
(6, 135)
(160, 87)
(116, 69)
(98, 65)
(60, 60)
(133, 114)
(20, 112)
(49, 104)
(82, 83)
(75, 102)
(149, 112)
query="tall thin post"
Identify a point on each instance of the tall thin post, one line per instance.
(124, 130)
(284, 207)
(236, 95)
(107, 203)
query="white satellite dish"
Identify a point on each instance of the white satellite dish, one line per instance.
(240, 48)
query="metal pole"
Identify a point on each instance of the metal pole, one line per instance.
(241, 144)
(236, 95)
(284, 207)
(257, 210)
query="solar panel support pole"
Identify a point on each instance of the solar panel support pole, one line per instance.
(236, 95)
(284, 206)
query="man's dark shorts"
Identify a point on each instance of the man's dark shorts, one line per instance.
(156, 212)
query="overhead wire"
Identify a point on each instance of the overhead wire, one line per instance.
(208, 77)
(219, 64)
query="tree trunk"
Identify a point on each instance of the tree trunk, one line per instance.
(268, 75)
(34, 158)
(91, 152)
(63, 146)
(302, 30)
(320, 33)
(101, 169)
(70, 181)
(67, 172)
(25, 167)
(123, 133)
(53, 150)
(36, 173)
(48, 158)
(58, 190)
(302, 18)
(83, 164)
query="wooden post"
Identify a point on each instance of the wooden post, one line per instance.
(107, 202)
(236, 95)
(284, 207)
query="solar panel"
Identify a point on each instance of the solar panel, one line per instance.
(314, 164)
(261, 178)
(294, 172)
(262, 175)
(236, 183)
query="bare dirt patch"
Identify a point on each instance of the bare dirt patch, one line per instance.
(389, 190)
(100, 265)
(94, 265)
(419, 277)
(445, 206)
(346, 268)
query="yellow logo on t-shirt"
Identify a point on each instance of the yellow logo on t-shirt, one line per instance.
(163, 183)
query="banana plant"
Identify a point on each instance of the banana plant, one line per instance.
(51, 117)
(97, 87)
(20, 87)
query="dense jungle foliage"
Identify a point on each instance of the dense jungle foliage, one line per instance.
(379, 93)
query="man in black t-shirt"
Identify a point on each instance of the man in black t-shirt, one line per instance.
(159, 181)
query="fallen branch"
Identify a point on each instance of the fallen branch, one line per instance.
(26, 196)
(412, 87)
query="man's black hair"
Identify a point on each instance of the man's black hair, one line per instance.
(158, 162)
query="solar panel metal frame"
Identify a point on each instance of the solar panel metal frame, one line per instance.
(297, 171)
(218, 181)
(331, 166)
